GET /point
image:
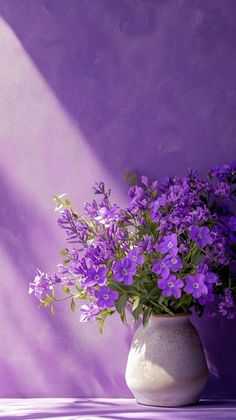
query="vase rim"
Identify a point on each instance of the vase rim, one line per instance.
(182, 315)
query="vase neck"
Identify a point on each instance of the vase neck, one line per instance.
(166, 320)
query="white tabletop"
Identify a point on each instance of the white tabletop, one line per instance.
(110, 408)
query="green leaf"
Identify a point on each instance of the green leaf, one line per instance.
(161, 299)
(103, 315)
(137, 308)
(152, 292)
(137, 312)
(136, 303)
(114, 286)
(67, 202)
(162, 306)
(73, 305)
(49, 298)
(127, 174)
(64, 252)
(197, 257)
(81, 295)
(146, 316)
(66, 289)
(132, 178)
(184, 302)
(120, 303)
(123, 316)
(101, 324)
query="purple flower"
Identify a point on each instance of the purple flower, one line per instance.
(105, 215)
(99, 188)
(155, 205)
(169, 244)
(147, 243)
(201, 235)
(97, 254)
(171, 286)
(226, 306)
(135, 256)
(88, 312)
(124, 270)
(90, 209)
(232, 223)
(214, 233)
(222, 190)
(161, 268)
(138, 199)
(42, 283)
(209, 276)
(79, 267)
(202, 268)
(62, 269)
(175, 263)
(195, 285)
(144, 181)
(159, 202)
(96, 275)
(220, 172)
(208, 296)
(210, 279)
(152, 230)
(76, 230)
(106, 297)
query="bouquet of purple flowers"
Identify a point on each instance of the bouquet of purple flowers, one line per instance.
(171, 250)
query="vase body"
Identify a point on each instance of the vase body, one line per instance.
(166, 363)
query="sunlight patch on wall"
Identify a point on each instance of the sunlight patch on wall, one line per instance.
(42, 150)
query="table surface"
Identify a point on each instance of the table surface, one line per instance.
(110, 408)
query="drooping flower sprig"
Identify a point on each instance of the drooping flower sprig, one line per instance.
(171, 250)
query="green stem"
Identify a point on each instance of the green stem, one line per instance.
(66, 298)
(161, 306)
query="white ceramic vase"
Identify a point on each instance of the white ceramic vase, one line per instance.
(166, 363)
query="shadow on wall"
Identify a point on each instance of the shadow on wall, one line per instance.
(219, 341)
(150, 83)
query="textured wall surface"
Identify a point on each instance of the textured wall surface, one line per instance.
(89, 88)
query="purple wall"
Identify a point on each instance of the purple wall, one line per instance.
(87, 90)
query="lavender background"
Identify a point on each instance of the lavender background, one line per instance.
(89, 88)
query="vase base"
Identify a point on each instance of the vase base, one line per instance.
(167, 405)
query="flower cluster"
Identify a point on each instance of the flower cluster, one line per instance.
(170, 250)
